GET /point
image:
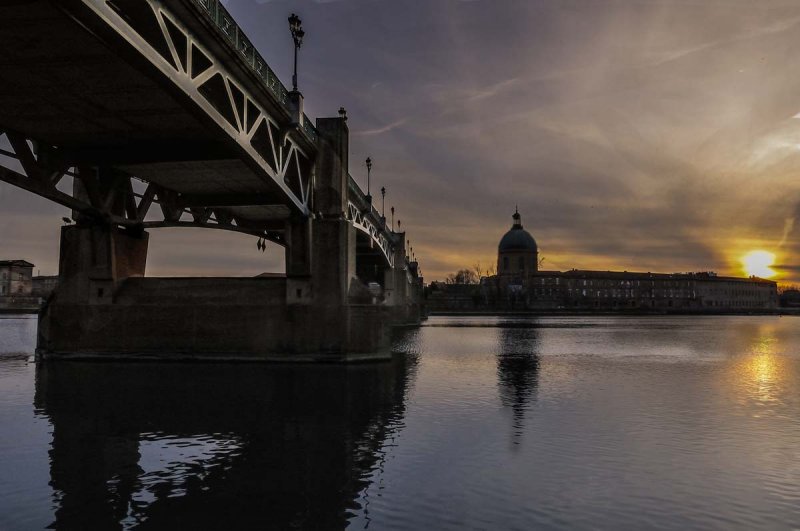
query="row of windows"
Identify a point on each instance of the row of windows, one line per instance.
(619, 293)
(737, 290)
(734, 304)
(643, 294)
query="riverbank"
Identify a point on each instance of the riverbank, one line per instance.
(20, 311)
(640, 313)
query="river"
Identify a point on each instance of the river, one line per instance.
(477, 423)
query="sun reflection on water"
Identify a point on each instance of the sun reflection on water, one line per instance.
(761, 375)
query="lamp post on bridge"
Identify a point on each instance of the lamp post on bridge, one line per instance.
(369, 169)
(392, 209)
(295, 26)
(383, 202)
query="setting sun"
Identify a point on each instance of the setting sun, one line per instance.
(757, 263)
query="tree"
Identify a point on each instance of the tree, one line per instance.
(783, 288)
(462, 276)
(480, 272)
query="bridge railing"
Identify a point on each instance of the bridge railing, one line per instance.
(226, 25)
(360, 198)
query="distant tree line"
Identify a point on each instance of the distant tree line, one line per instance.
(782, 288)
(471, 276)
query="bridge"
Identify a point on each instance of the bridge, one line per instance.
(143, 114)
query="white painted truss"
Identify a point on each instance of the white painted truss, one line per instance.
(209, 83)
(362, 222)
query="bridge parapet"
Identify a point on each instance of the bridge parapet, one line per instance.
(227, 27)
(366, 218)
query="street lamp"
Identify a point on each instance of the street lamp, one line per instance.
(383, 203)
(297, 35)
(392, 209)
(369, 168)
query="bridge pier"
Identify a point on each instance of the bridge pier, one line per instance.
(105, 306)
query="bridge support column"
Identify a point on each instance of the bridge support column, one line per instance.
(346, 326)
(94, 259)
(396, 283)
(93, 262)
(299, 236)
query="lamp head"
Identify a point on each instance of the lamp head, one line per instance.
(295, 26)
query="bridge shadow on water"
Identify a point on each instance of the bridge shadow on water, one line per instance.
(174, 446)
(518, 372)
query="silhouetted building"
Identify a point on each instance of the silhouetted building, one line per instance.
(16, 286)
(43, 286)
(790, 298)
(15, 278)
(615, 290)
(517, 255)
(519, 285)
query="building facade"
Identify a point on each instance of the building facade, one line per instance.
(16, 286)
(43, 286)
(623, 290)
(16, 278)
(520, 286)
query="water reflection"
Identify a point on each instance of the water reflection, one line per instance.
(762, 374)
(517, 371)
(169, 446)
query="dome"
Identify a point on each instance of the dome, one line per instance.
(517, 239)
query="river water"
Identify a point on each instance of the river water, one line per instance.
(478, 423)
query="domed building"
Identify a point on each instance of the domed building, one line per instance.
(520, 286)
(517, 254)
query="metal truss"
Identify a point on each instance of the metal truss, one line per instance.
(170, 46)
(109, 197)
(362, 222)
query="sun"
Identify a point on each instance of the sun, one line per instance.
(757, 264)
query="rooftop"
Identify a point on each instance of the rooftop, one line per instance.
(18, 263)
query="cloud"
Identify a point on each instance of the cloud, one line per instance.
(380, 130)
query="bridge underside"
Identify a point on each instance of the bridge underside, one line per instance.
(64, 88)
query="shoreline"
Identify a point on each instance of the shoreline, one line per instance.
(586, 313)
(19, 311)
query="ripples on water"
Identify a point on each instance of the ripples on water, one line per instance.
(478, 423)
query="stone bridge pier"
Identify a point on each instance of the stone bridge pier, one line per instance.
(106, 307)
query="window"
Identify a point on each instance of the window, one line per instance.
(521, 263)
(505, 263)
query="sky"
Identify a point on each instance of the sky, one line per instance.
(638, 135)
